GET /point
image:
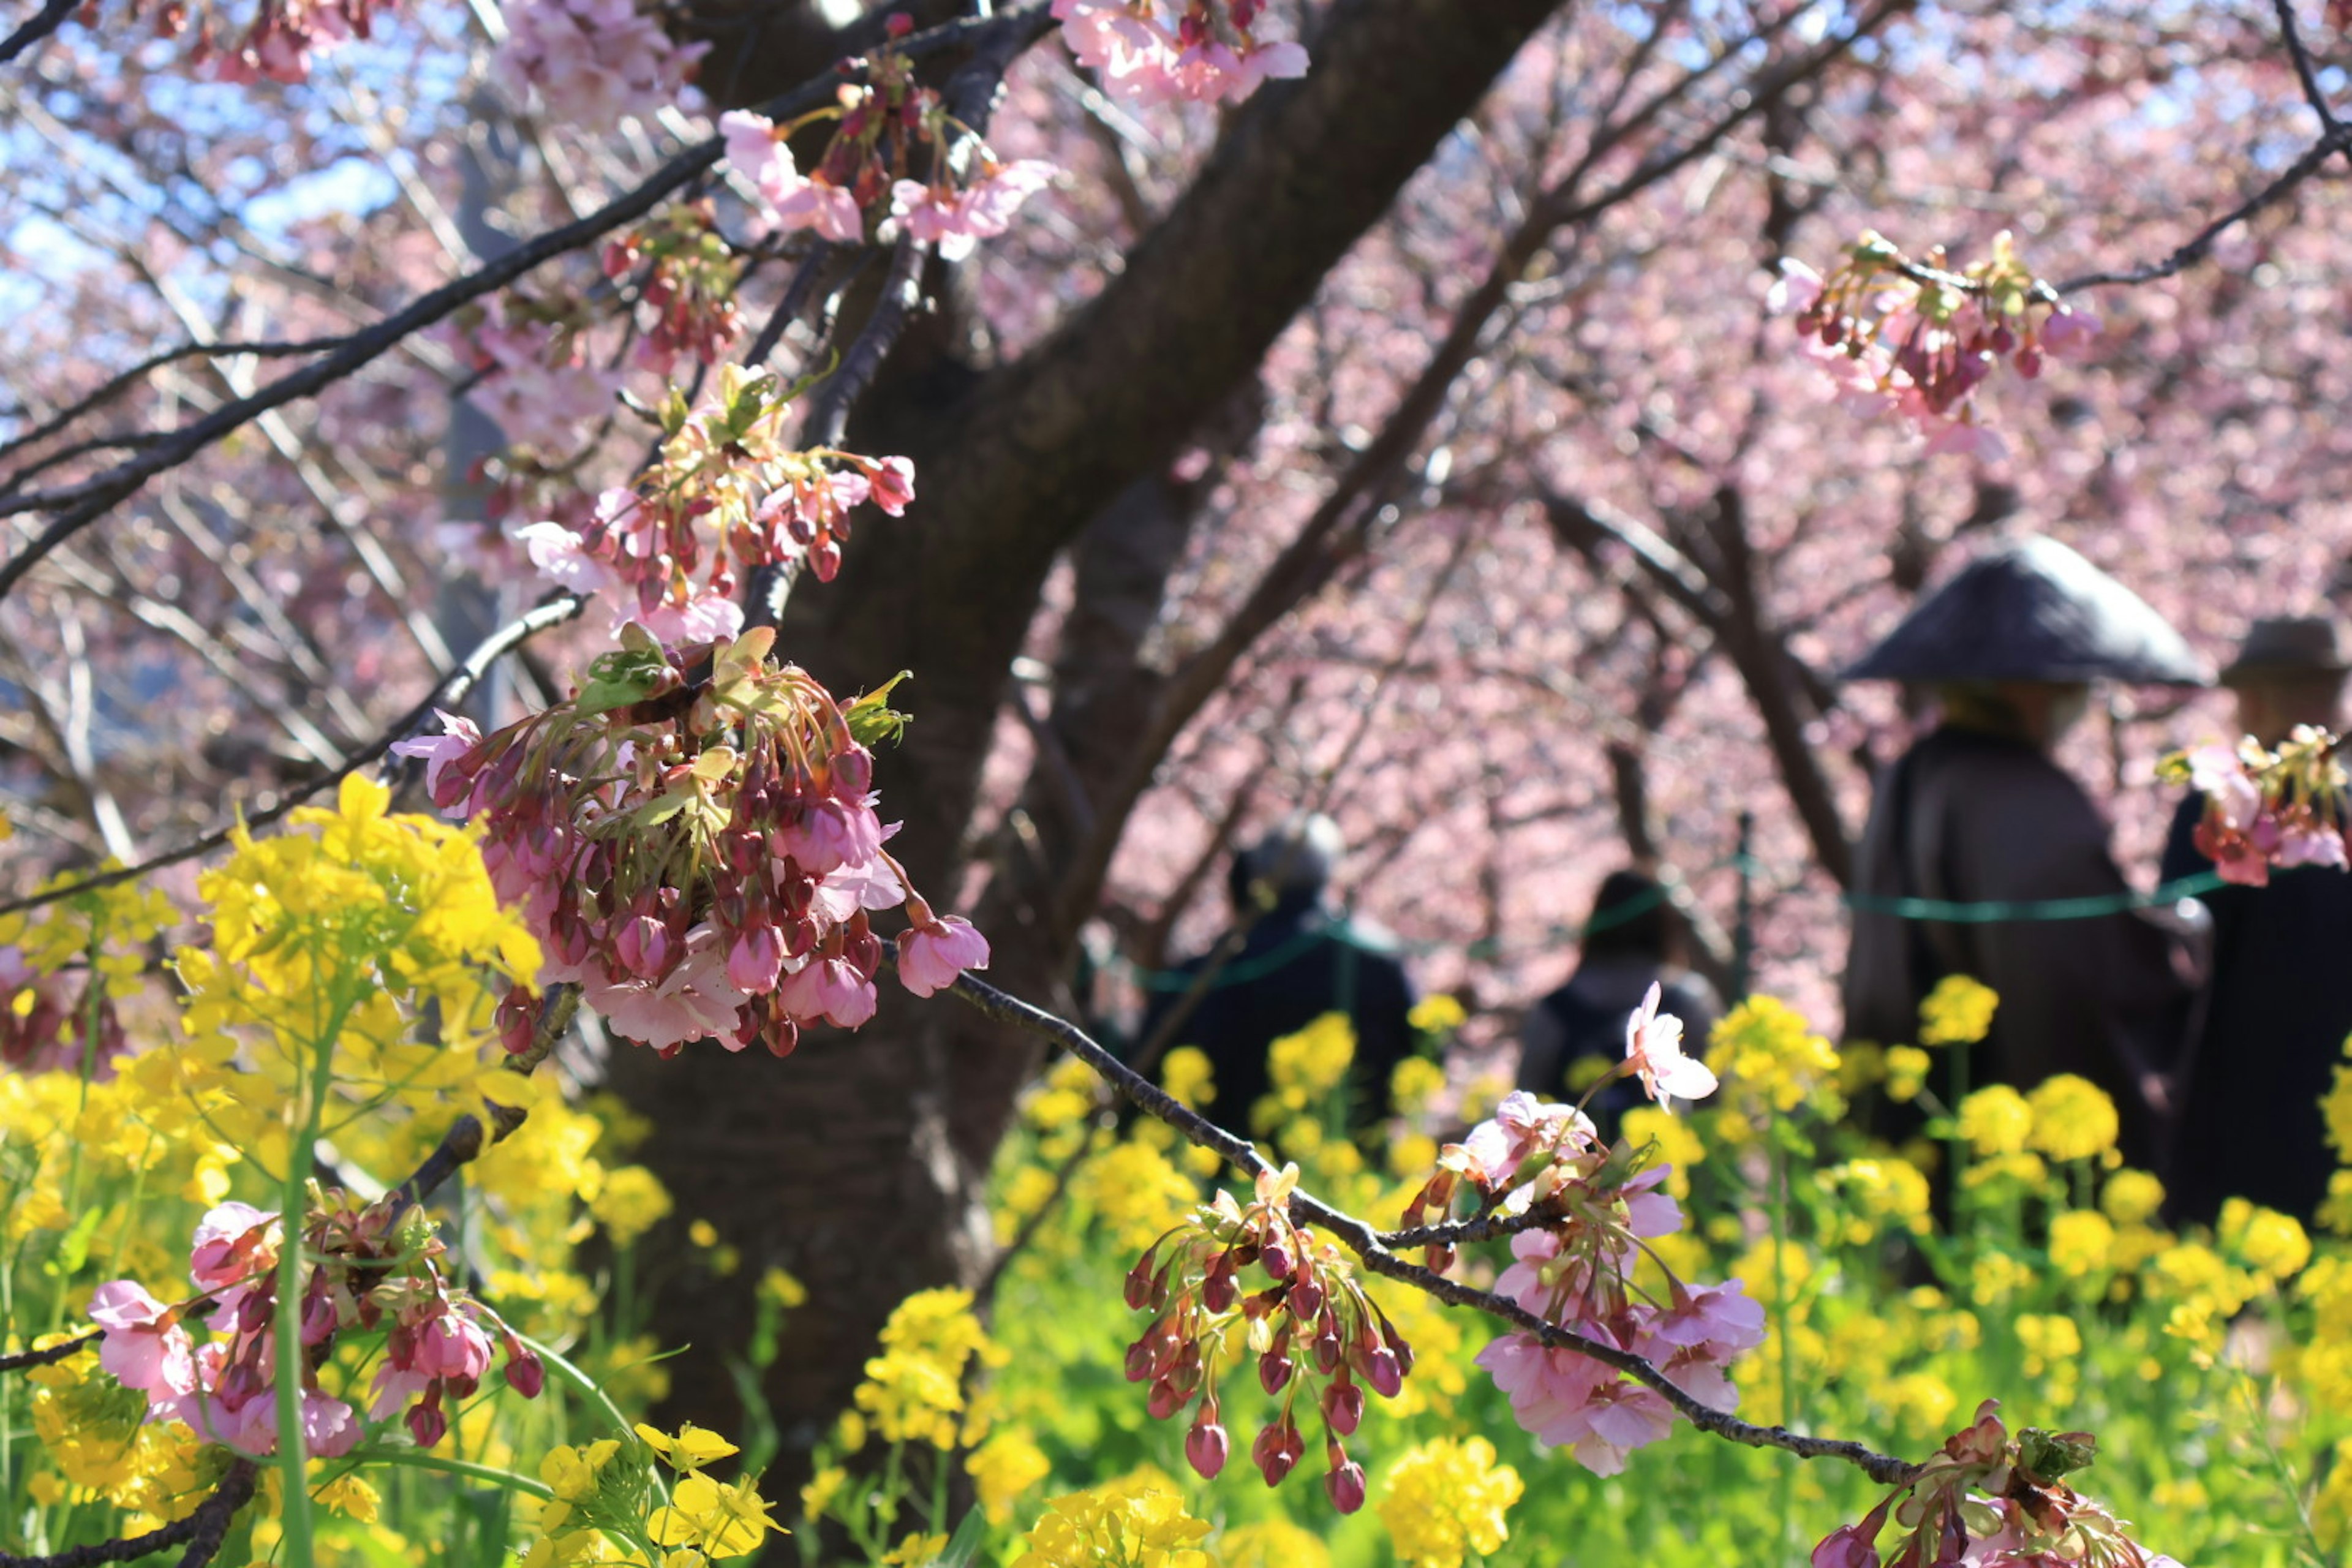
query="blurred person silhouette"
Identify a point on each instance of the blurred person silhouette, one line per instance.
(1977, 812)
(1635, 939)
(2279, 1002)
(1298, 958)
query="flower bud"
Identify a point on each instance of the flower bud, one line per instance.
(1343, 1406)
(1384, 1373)
(1274, 1373)
(1278, 1449)
(1344, 1485)
(525, 1374)
(1276, 1258)
(1217, 1291)
(1205, 1446)
(1165, 1400)
(1138, 1360)
(1140, 1280)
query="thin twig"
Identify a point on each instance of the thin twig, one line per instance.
(450, 687)
(122, 381)
(2305, 71)
(2200, 246)
(1362, 1240)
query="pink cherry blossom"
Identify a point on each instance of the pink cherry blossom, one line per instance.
(828, 988)
(931, 957)
(791, 200)
(458, 735)
(139, 1348)
(595, 61)
(957, 220)
(1654, 1045)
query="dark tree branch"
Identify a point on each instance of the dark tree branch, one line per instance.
(48, 1356)
(1368, 1246)
(203, 1531)
(451, 688)
(50, 17)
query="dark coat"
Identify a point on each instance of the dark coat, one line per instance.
(1295, 964)
(2276, 1022)
(1973, 818)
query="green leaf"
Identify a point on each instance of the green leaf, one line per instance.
(871, 719)
(73, 1250)
(964, 1546)
(621, 678)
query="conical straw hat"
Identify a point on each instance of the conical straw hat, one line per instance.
(2033, 610)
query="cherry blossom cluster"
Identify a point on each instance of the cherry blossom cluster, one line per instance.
(1311, 1327)
(1990, 1501)
(1588, 1210)
(687, 298)
(2266, 808)
(536, 377)
(592, 62)
(726, 493)
(692, 839)
(278, 44)
(377, 1272)
(41, 1024)
(1916, 338)
(894, 142)
(1161, 51)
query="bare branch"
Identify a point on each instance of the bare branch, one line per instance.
(48, 1356)
(2200, 246)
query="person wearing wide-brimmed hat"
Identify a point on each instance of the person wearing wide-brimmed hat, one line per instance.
(1977, 812)
(2281, 1002)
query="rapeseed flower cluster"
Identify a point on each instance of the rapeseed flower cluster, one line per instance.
(914, 1391)
(1304, 1069)
(1446, 1500)
(1137, 1521)
(1771, 1060)
(1958, 1012)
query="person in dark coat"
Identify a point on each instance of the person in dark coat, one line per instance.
(1635, 940)
(2280, 1003)
(1298, 959)
(1977, 812)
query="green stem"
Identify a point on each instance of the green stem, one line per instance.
(585, 1386)
(413, 1459)
(1779, 1208)
(311, 1096)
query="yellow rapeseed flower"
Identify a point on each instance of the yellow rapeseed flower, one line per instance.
(2082, 1242)
(1135, 1193)
(2264, 1239)
(1907, 1073)
(1414, 1083)
(1447, 1499)
(913, 1390)
(1677, 1143)
(1437, 1013)
(2131, 1196)
(917, 1551)
(1764, 1051)
(1138, 1521)
(2074, 1119)
(1996, 1120)
(1188, 1077)
(1958, 1012)
(1272, 1544)
(1002, 1470)
(631, 1202)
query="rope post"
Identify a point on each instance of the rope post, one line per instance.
(1743, 929)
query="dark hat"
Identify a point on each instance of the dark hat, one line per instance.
(2033, 610)
(2289, 646)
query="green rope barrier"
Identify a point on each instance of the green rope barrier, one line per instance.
(1983, 912)
(1995, 911)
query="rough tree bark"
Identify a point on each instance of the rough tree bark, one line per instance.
(857, 1165)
